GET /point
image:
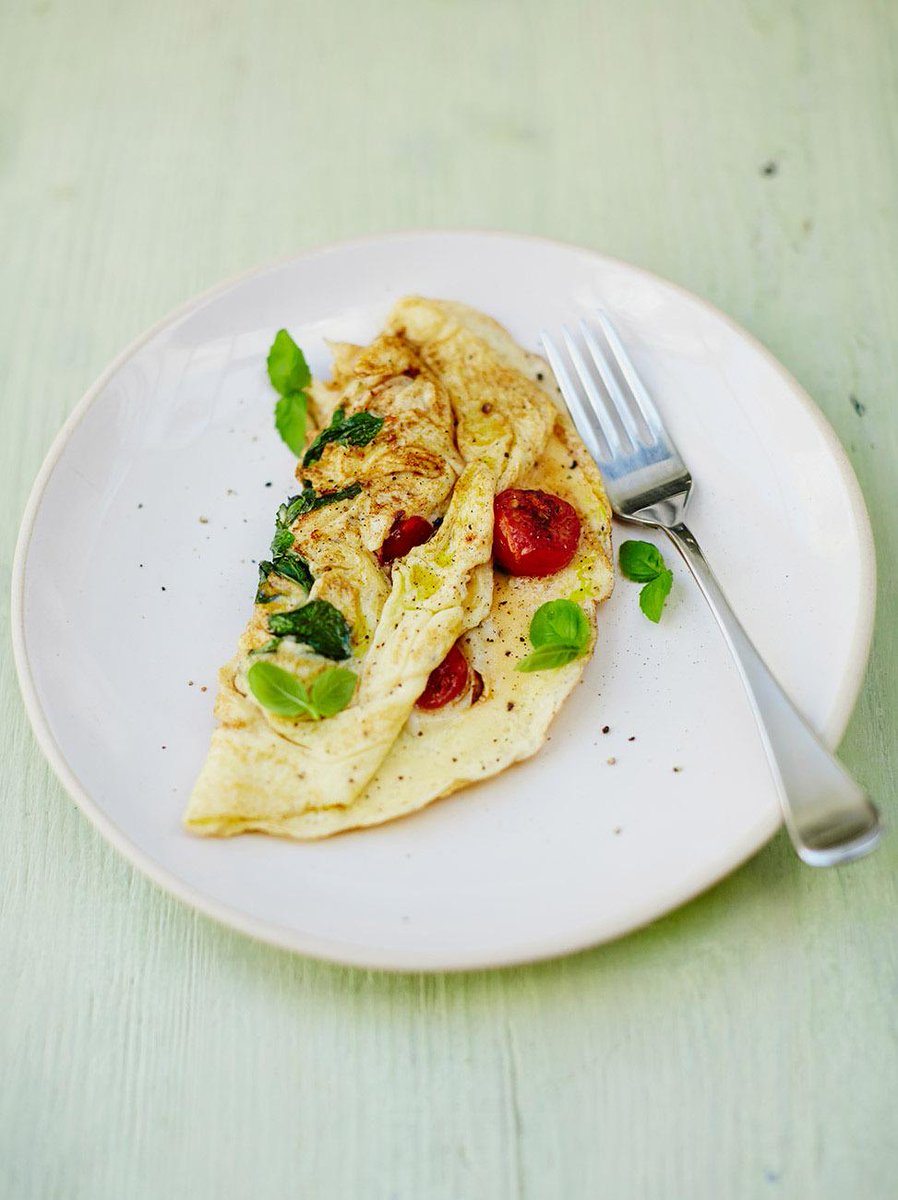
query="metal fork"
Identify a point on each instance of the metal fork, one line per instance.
(829, 817)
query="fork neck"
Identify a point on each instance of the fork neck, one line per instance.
(667, 511)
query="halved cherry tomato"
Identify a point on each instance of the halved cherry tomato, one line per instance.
(535, 533)
(404, 536)
(447, 681)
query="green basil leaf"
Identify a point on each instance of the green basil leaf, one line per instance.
(653, 595)
(332, 690)
(640, 561)
(278, 690)
(308, 500)
(264, 593)
(290, 419)
(291, 566)
(317, 624)
(282, 542)
(288, 565)
(549, 657)
(357, 430)
(268, 648)
(560, 621)
(360, 429)
(287, 366)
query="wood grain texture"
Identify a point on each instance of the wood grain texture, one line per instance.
(744, 1047)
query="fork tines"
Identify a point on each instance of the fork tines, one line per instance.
(608, 401)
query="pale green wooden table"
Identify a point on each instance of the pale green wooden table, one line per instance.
(744, 1047)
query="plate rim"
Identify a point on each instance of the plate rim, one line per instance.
(369, 957)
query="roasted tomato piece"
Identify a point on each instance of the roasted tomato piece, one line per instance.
(535, 533)
(404, 536)
(447, 681)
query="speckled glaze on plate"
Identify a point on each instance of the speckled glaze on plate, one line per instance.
(134, 574)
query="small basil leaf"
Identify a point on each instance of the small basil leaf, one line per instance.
(332, 690)
(360, 429)
(291, 566)
(268, 648)
(287, 366)
(653, 595)
(547, 658)
(317, 624)
(308, 501)
(290, 419)
(282, 542)
(357, 430)
(264, 594)
(278, 690)
(640, 561)
(559, 621)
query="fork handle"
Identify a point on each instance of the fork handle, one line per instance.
(829, 817)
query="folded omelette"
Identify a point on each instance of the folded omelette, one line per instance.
(462, 415)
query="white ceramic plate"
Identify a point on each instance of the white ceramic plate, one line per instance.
(135, 573)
